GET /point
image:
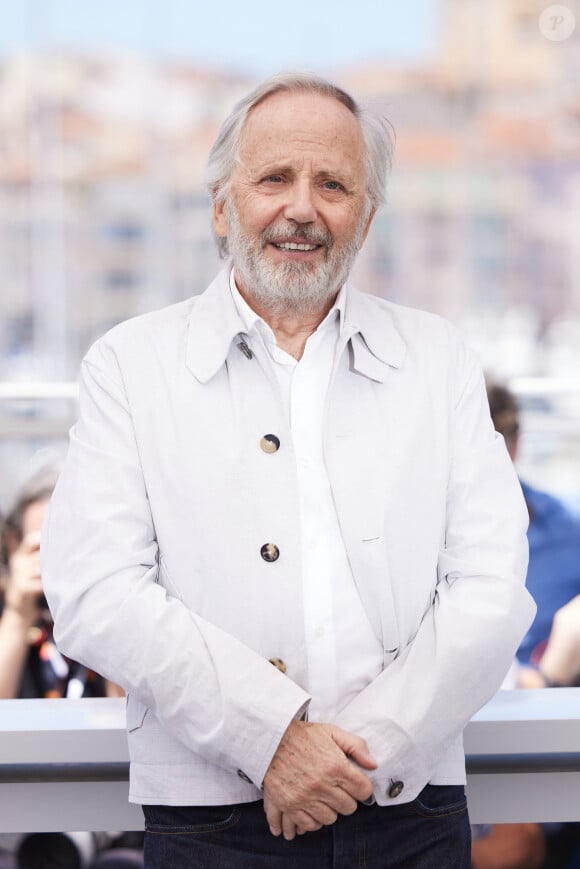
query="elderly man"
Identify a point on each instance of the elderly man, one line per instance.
(287, 527)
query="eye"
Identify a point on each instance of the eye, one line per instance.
(273, 179)
(333, 185)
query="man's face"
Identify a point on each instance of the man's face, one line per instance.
(296, 212)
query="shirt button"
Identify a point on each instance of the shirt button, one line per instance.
(279, 664)
(395, 788)
(270, 552)
(244, 777)
(270, 443)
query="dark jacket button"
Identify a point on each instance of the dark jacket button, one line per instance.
(279, 664)
(270, 552)
(244, 777)
(395, 788)
(270, 443)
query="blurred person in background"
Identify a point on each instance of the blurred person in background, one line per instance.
(30, 664)
(559, 660)
(553, 577)
(549, 655)
(32, 667)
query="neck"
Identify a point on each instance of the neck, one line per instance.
(291, 328)
(292, 332)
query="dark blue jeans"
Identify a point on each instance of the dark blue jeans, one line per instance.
(431, 832)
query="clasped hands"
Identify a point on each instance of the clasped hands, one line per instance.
(311, 780)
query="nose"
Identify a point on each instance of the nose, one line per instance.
(300, 206)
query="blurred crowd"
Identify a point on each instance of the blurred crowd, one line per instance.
(32, 667)
(549, 655)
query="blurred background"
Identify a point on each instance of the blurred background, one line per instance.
(107, 113)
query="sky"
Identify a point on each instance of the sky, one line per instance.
(254, 36)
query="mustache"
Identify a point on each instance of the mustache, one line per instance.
(307, 234)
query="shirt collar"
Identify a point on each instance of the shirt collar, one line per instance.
(215, 321)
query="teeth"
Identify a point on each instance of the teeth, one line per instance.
(291, 245)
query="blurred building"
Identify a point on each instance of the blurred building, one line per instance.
(103, 214)
(485, 198)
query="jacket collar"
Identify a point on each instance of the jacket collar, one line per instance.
(215, 323)
(376, 342)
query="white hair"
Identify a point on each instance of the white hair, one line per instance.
(376, 132)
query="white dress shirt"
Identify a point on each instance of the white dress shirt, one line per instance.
(343, 653)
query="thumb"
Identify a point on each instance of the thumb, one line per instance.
(354, 747)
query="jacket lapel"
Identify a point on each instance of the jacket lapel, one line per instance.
(214, 324)
(377, 345)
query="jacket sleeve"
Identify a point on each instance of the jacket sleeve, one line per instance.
(100, 566)
(416, 709)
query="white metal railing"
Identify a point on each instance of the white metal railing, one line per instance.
(38, 389)
(64, 763)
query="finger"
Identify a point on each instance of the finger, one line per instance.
(305, 823)
(333, 801)
(301, 831)
(341, 802)
(356, 784)
(361, 788)
(343, 787)
(323, 814)
(273, 816)
(288, 827)
(355, 747)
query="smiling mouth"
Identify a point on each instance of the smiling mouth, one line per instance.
(293, 245)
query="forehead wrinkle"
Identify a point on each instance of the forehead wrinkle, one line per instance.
(279, 143)
(301, 128)
(319, 165)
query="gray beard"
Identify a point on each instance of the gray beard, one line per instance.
(292, 287)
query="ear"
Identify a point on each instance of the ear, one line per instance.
(367, 226)
(220, 222)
